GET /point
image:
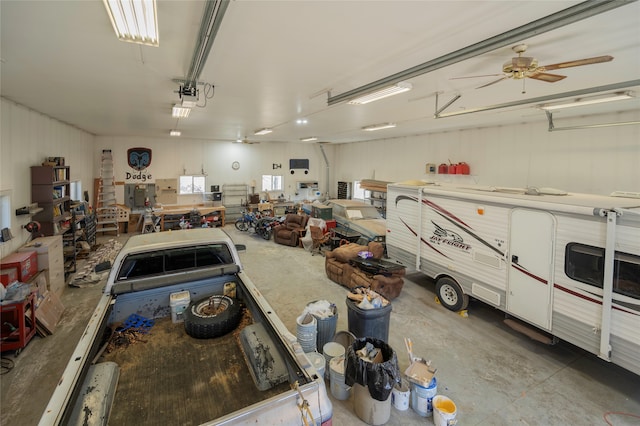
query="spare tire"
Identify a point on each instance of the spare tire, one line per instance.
(212, 316)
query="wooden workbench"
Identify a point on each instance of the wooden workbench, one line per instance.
(186, 212)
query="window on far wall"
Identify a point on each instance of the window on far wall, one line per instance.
(272, 182)
(192, 184)
(5, 210)
(358, 192)
(76, 190)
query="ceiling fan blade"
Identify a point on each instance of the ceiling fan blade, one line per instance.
(504, 77)
(476, 76)
(549, 78)
(577, 63)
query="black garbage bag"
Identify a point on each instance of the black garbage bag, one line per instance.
(379, 377)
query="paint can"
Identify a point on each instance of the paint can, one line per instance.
(444, 411)
(421, 397)
(400, 395)
(318, 361)
(339, 389)
(331, 350)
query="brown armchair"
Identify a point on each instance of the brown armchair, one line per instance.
(339, 270)
(289, 231)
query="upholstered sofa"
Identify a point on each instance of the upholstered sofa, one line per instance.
(339, 270)
(289, 231)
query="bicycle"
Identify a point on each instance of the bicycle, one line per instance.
(247, 222)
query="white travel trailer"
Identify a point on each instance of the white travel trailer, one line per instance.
(568, 264)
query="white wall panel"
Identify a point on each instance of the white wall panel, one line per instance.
(27, 138)
(598, 160)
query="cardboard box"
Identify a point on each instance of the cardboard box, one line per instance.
(420, 373)
(8, 275)
(26, 262)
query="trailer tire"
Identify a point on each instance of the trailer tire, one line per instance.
(201, 323)
(451, 295)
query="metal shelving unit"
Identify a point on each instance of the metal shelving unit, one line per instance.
(235, 197)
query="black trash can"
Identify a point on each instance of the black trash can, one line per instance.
(369, 322)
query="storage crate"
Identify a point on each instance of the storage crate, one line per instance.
(123, 213)
(26, 262)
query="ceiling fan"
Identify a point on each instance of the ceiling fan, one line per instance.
(522, 67)
(247, 141)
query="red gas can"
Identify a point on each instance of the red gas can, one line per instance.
(453, 169)
(462, 169)
(443, 169)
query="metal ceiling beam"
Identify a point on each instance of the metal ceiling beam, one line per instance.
(551, 22)
(553, 128)
(211, 20)
(541, 99)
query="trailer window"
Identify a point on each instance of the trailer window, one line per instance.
(586, 264)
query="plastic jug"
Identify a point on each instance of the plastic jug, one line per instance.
(462, 169)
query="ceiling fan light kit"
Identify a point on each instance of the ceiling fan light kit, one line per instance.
(591, 100)
(385, 92)
(134, 21)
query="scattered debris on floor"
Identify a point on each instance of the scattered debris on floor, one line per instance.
(96, 265)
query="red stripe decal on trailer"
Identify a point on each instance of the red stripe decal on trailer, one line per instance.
(529, 274)
(423, 240)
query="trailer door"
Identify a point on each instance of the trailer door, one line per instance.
(531, 272)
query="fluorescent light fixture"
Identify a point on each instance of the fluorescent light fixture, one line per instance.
(309, 139)
(382, 93)
(135, 21)
(261, 132)
(180, 111)
(381, 126)
(189, 101)
(175, 133)
(618, 96)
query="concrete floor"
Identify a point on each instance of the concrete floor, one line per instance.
(494, 375)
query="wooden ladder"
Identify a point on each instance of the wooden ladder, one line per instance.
(106, 207)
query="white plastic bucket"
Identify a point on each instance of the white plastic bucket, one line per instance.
(339, 389)
(178, 302)
(331, 350)
(306, 332)
(444, 411)
(318, 361)
(421, 397)
(400, 395)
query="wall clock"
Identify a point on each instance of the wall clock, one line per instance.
(235, 165)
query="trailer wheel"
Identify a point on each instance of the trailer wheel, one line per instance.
(212, 316)
(451, 295)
